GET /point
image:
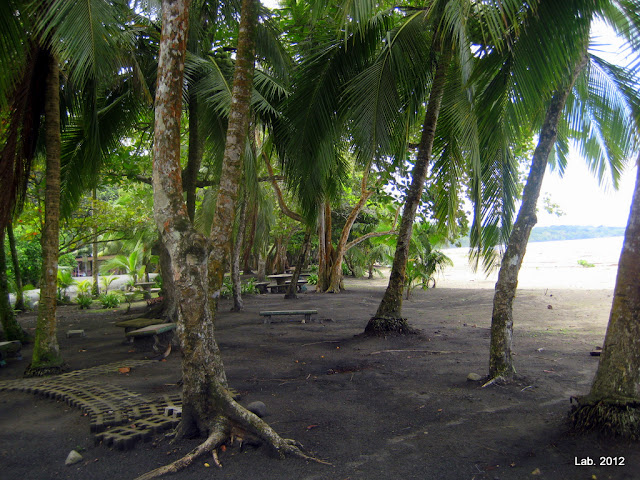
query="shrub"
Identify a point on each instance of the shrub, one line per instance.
(585, 264)
(109, 300)
(84, 300)
(313, 279)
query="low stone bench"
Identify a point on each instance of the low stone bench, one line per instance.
(153, 337)
(307, 314)
(136, 323)
(261, 286)
(10, 349)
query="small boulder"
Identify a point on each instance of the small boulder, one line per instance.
(73, 457)
(474, 377)
(259, 408)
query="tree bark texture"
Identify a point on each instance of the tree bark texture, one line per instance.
(389, 312)
(46, 352)
(618, 375)
(236, 279)
(500, 359)
(16, 268)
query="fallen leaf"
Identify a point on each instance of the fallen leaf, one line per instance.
(124, 369)
(309, 427)
(223, 448)
(207, 465)
(536, 472)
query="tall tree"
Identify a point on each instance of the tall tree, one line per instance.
(198, 263)
(590, 105)
(46, 352)
(612, 405)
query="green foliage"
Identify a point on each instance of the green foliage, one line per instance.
(84, 300)
(84, 287)
(64, 281)
(585, 264)
(249, 287)
(109, 300)
(107, 280)
(312, 279)
(130, 264)
(425, 261)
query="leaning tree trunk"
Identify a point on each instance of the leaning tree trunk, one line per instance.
(302, 260)
(388, 318)
(613, 404)
(46, 352)
(16, 268)
(335, 273)
(500, 360)
(10, 326)
(198, 264)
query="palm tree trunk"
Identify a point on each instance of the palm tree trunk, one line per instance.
(196, 149)
(613, 404)
(300, 264)
(95, 268)
(10, 326)
(16, 268)
(46, 352)
(500, 360)
(197, 262)
(389, 314)
(236, 280)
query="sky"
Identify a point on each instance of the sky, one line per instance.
(577, 193)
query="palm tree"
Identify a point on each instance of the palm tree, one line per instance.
(612, 404)
(58, 32)
(590, 105)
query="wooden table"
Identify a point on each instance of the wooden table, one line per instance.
(280, 278)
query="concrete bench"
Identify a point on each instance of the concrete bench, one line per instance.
(261, 286)
(10, 349)
(307, 314)
(154, 336)
(136, 323)
(282, 288)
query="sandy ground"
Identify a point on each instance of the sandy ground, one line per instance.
(375, 408)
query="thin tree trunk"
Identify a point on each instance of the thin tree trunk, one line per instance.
(613, 404)
(325, 253)
(46, 352)
(197, 263)
(236, 280)
(292, 291)
(335, 275)
(196, 149)
(95, 269)
(389, 314)
(16, 268)
(10, 326)
(500, 359)
(249, 237)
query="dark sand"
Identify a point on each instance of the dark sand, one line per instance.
(375, 408)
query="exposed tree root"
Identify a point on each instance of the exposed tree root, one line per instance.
(616, 418)
(384, 325)
(217, 436)
(236, 425)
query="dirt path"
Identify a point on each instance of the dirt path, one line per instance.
(376, 408)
